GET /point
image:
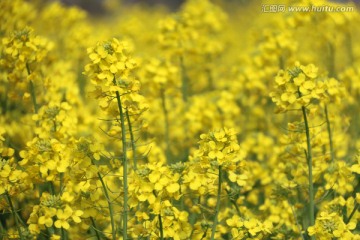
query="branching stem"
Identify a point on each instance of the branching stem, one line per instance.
(13, 212)
(32, 90)
(217, 209)
(166, 124)
(132, 139)
(310, 172)
(332, 153)
(110, 205)
(125, 163)
(161, 227)
(356, 206)
(95, 228)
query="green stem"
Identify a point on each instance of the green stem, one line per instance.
(20, 220)
(51, 188)
(309, 162)
(4, 100)
(204, 234)
(51, 230)
(233, 202)
(32, 90)
(95, 228)
(281, 62)
(349, 47)
(63, 235)
(2, 230)
(110, 205)
(133, 147)
(217, 209)
(166, 125)
(296, 221)
(13, 212)
(332, 153)
(123, 133)
(331, 59)
(184, 80)
(33, 96)
(161, 227)
(132, 139)
(185, 94)
(210, 80)
(81, 80)
(61, 182)
(356, 206)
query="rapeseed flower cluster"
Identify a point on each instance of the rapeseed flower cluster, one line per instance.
(298, 87)
(218, 148)
(23, 58)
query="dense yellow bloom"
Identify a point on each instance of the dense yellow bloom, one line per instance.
(75, 34)
(252, 228)
(23, 50)
(218, 148)
(159, 76)
(193, 30)
(110, 60)
(46, 155)
(298, 87)
(331, 225)
(356, 167)
(111, 71)
(340, 178)
(12, 180)
(15, 15)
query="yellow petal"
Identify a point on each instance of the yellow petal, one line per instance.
(173, 187)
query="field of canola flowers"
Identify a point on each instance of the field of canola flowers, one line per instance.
(194, 124)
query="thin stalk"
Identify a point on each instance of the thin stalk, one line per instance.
(184, 80)
(63, 237)
(161, 227)
(185, 89)
(61, 182)
(95, 228)
(281, 62)
(297, 222)
(210, 79)
(352, 212)
(236, 207)
(217, 209)
(51, 188)
(33, 96)
(193, 216)
(133, 147)
(20, 220)
(110, 205)
(13, 212)
(166, 125)
(4, 100)
(123, 139)
(204, 234)
(233, 202)
(132, 139)
(81, 80)
(349, 47)
(32, 90)
(332, 153)
(309, 161)
(2, 231)
(51, 230)
(331, 60)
